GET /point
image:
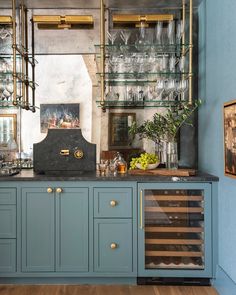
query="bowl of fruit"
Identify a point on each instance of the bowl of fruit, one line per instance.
(145, 161)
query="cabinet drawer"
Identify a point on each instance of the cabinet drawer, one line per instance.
(7, 196)
(113, 246)
(7, 255)
(113, 202)
(7, 221)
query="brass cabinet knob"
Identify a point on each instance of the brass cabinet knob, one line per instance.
(49, 190)
(59, 190)
(113, 203)
(113, 246)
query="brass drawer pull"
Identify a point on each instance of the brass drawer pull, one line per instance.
(49, 190)
(113, 203)
(113, 246)
(64, 152)
(59, 190)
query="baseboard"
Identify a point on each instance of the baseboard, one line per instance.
(223, 283)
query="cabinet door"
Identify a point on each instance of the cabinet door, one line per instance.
(72, 230)
(113, 245)
(7, 255)
(38, 233)
(175, 230)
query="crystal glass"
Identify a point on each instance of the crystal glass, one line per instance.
(171, 32)
(113, 168)
(160, 88)
(172, 155)
(125, 35)
(182, 62)
(179, 31)
(112, 35)
(172, 62)
(158, 31)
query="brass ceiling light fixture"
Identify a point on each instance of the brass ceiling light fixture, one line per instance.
(139, 20)
(57, 22)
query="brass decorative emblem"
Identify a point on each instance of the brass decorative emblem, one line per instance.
(78, 154)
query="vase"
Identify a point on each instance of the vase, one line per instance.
(160, 151)
(171, 155)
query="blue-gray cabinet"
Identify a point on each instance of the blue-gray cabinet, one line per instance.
(107, 229)
(7, 229)
(54, 229)
(175, 230)
(114, 225)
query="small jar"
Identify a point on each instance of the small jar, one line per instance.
(121, 164)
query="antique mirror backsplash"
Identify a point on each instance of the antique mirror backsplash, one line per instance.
(66, 76)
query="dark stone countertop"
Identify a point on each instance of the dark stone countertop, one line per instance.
(29, 175)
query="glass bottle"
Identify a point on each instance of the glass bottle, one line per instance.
(120, 164)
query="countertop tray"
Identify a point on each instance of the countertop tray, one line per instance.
(164, 172)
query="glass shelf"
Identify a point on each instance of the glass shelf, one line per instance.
(111, 104)
(151, 48)
(144, 77)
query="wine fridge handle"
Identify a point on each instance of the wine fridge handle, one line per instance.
(141, 209)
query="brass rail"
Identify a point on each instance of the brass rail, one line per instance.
(141, 209)
(190, 52)
(102, 52)
(14, 51)
(22, 22)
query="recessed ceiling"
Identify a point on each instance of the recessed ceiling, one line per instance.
(119, 4)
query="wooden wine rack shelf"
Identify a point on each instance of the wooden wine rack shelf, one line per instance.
(173, 198)
(175, 209)
(173, 253)
(156, 229)
(174, 241)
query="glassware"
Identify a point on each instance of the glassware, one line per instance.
(172, 62)
(158, 31)
(102, 167)
(172, 155)
(120, 163)
(112, 35)
(113, 168)
(182, 64)
(125, 35)
(179, 31)
(160, 88)
(170, 32)
(164, 63)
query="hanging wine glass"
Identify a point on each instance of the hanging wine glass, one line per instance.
(112, 35)
(170, 32)
(158, 31)
(179, 31)
(125, 35)
(160, 88)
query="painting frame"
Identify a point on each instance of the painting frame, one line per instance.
(10, 119)
(118, 126)
(59, 116)
(229, 122)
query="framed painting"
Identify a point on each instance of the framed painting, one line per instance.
(119, 124)
(230, 138)
(59, 116)
(7, 129)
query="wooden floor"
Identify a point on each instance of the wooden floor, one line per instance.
(104, 290)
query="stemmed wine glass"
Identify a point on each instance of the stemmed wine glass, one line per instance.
(160, 88)
(112, 35)
(125, 35)
(170, 32)
(158, 31)
(179, 31)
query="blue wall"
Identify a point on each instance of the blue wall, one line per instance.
(218, 85)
